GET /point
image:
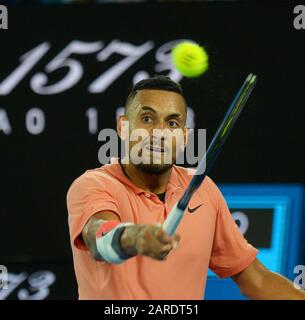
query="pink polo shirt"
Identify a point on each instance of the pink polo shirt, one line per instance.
(209, 237)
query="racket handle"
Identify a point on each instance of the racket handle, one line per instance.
(172, 221)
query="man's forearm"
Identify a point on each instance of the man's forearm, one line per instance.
(273, 286)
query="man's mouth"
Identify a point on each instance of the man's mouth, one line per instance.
(155, 148)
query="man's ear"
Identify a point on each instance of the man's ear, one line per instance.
(122, 127)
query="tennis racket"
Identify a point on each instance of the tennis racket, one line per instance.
(172, 221)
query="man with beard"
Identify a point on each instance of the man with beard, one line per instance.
(116, 212)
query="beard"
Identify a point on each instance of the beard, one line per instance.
(156, 169)
(158, 165)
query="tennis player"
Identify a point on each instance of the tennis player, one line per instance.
(120, 250)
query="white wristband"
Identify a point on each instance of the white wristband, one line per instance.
(108, 245)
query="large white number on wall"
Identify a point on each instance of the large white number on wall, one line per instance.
(92, 115)
(163, 56)
(5, 125)
(39, 282)
(35, 121)
(41, 83)
(75, 73)
(28, 61)
(131, 52)
(14, 281)
(243, 221)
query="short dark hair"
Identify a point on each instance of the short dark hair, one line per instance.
(154, 83)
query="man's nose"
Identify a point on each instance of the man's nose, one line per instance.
(161, 125)
(158, 131)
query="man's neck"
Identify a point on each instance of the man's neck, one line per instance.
(155, 183)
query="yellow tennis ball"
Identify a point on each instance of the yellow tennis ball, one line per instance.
(190, 59)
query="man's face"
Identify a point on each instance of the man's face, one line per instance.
(158, 118)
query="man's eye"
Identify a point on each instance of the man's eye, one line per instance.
(173, 124)
(147, 119)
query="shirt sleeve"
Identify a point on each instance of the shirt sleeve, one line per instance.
(87, 196)
(231, 253)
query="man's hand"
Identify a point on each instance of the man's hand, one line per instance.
(148, 240)
(139, 239)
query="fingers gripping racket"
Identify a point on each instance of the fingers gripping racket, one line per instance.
(172, 221)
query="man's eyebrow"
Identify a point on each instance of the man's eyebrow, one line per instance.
(146, 108)
(174, 115)
(170, 116)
